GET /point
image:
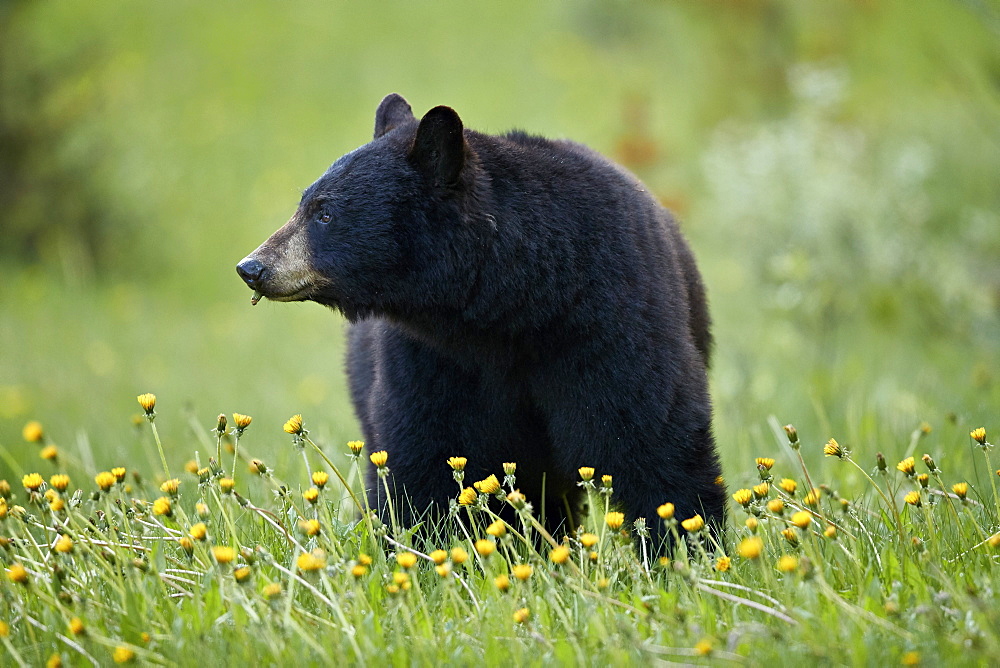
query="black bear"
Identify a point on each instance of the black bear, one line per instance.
(511, 299)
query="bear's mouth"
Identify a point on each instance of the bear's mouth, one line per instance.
(299, 293)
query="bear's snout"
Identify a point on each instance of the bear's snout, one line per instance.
(251, 270)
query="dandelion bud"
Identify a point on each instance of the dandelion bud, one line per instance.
(793, 436)
(752, 524)
(148, 403)
(33, 432)
(906, 466)
(221, 424)
(226, 485)
(517, 500)
(750, 548)
(833, 449)
(994, 540)
(606, 481)
(467, 497)
(931, 466)
(880, 462)
(4, 489)
(924, 480)
(509, 468)
(119, 473)
(791, 535)
(293, 425)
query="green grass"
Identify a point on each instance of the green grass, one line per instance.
(230, 571)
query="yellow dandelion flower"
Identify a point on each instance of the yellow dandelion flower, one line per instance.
(459, 555)
(833, 449)
(32, 481)
(59, 481)
(379, 458)
(170, 486)
(320, 478)
(994, 540)
(242, 574)
(693, 524)
(765, 463)
(76, 626)
(522, 571)
(57, 505)
(751, 523)
(509, 468)
(502, 582)
(49, 453)
(516, 499)
(762, 490)
(51, 494)
(787, 563)
(241, 421)
(776, 506)
(364, 559)
(588, 540)
(665, 511)
(978, 435)
(438, 556)
(723, 563)
(906, 466)
(801, 519)
(521, 615)
(790, 535)
(913, 498)
(257, 466)
(406, 559)
(750, 548)
(485, 547)
(743, 497)
(812, 498)
(488, 486)
(64, 544)
(148, 402)
(104, 480)
(123, 654)
(4, 629)
(201, 509)
(311, 561)
(961, 489)
(311, 495)
(444, 570)
(310, 527)
(359, 570)
(271, 590)
(392, 589)
(606, 481)
(457, 463)
(355, 447)
(186, 544)
(223, 554)
(720, 481)
(586, 472)
(923, 479)
(703, 647)
(401, 579)
(198, 531)
(497, 529)
(467, 497)
(226, 485)
(830, 532)
(203, 474)
(3, 509)
(162, 506)
(33, 432)
(119, 473)
(293, 425)
(17, 574)
(788, 486)
(191, 466)
(614, 520)
(559, 555)
(910, 658)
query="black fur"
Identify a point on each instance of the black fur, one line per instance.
(516, 299)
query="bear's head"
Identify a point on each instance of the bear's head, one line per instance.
(386, 229)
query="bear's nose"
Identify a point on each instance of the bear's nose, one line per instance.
(250, 270)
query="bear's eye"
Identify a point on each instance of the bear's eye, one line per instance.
(325, 218)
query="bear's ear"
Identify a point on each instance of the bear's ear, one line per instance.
(392, 112)
(439, 147)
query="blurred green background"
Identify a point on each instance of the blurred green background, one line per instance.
(836, 166)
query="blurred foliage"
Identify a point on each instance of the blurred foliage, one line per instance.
(835, 165)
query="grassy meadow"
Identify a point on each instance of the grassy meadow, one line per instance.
(834, 167)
